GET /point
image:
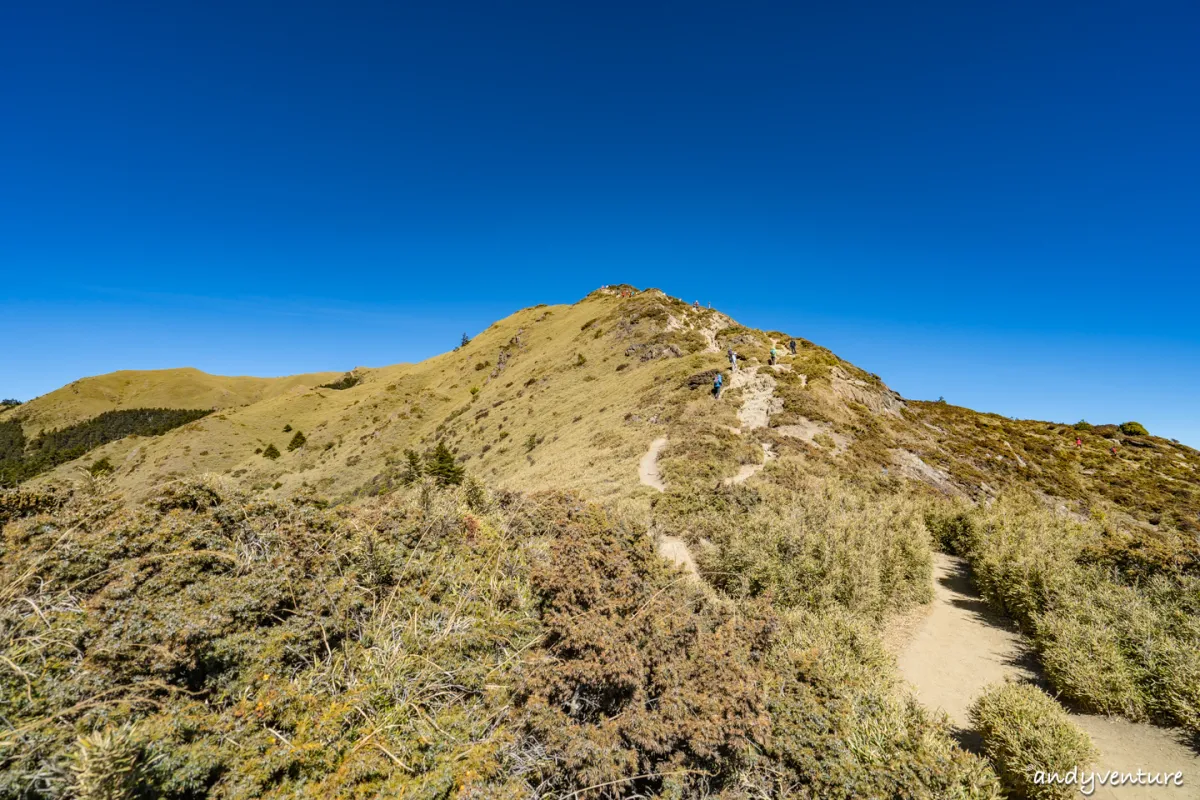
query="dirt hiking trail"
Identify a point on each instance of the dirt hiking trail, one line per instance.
(672, 548)
(961, 646)
(648, 472)
(747, 471)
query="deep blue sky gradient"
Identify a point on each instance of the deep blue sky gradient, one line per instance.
(995, 203)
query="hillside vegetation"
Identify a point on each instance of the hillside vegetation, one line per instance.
(21, 459)
(164, 388)
(431, 643)
(441, 579)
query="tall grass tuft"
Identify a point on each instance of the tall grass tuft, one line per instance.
(1025, 732)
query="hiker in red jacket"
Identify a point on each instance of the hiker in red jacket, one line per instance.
(1078, 442)
(1114, 449)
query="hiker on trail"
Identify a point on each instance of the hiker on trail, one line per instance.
(718, 382)
(1114, 450)
(792, 346)
(733, 359)
(697, 304)
(774, 355)
(1078, 442)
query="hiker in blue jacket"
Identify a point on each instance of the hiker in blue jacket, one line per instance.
(718, 382)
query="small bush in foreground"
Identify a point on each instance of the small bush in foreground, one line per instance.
(1024, 732)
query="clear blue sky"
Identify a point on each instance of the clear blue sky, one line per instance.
(997, 203)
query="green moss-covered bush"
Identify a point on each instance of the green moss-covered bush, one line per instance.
(1025, 732)
(1134, 429)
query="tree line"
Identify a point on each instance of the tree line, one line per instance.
(21, 459)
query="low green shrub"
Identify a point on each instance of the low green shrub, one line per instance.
(829, 545)
(1025, 732)
(1134, 429)
(844, 728)
(1022, 553)
(271, 452)
(101, 466)
(1113, 616)
(1132, 650)
(297, 441)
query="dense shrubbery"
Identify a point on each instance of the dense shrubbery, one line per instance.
(828, 544)
(1134, 429)
(12, 441)
(1116, 622)
(21, 460)
(244, 648)
(1025, 731)
(429, 643)
(17, 503)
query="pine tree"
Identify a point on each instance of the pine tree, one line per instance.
(415, 468)
(466, 340)
(442, 467)
(272, 452)
(297, 441)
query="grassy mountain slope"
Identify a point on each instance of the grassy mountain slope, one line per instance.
(312, 624)
(164, 388)
(570, 397)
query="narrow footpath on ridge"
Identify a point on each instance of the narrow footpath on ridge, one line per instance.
(961, 646)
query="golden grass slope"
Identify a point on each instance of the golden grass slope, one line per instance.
(570, 396)
(163, 388)
(557, 401)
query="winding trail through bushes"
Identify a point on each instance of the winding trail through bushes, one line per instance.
(747, 471)
(961, 646)
(672, 548)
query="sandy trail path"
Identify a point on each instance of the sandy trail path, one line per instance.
(961, 646)
(648, 472)
(747, 471)
(671, 548)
